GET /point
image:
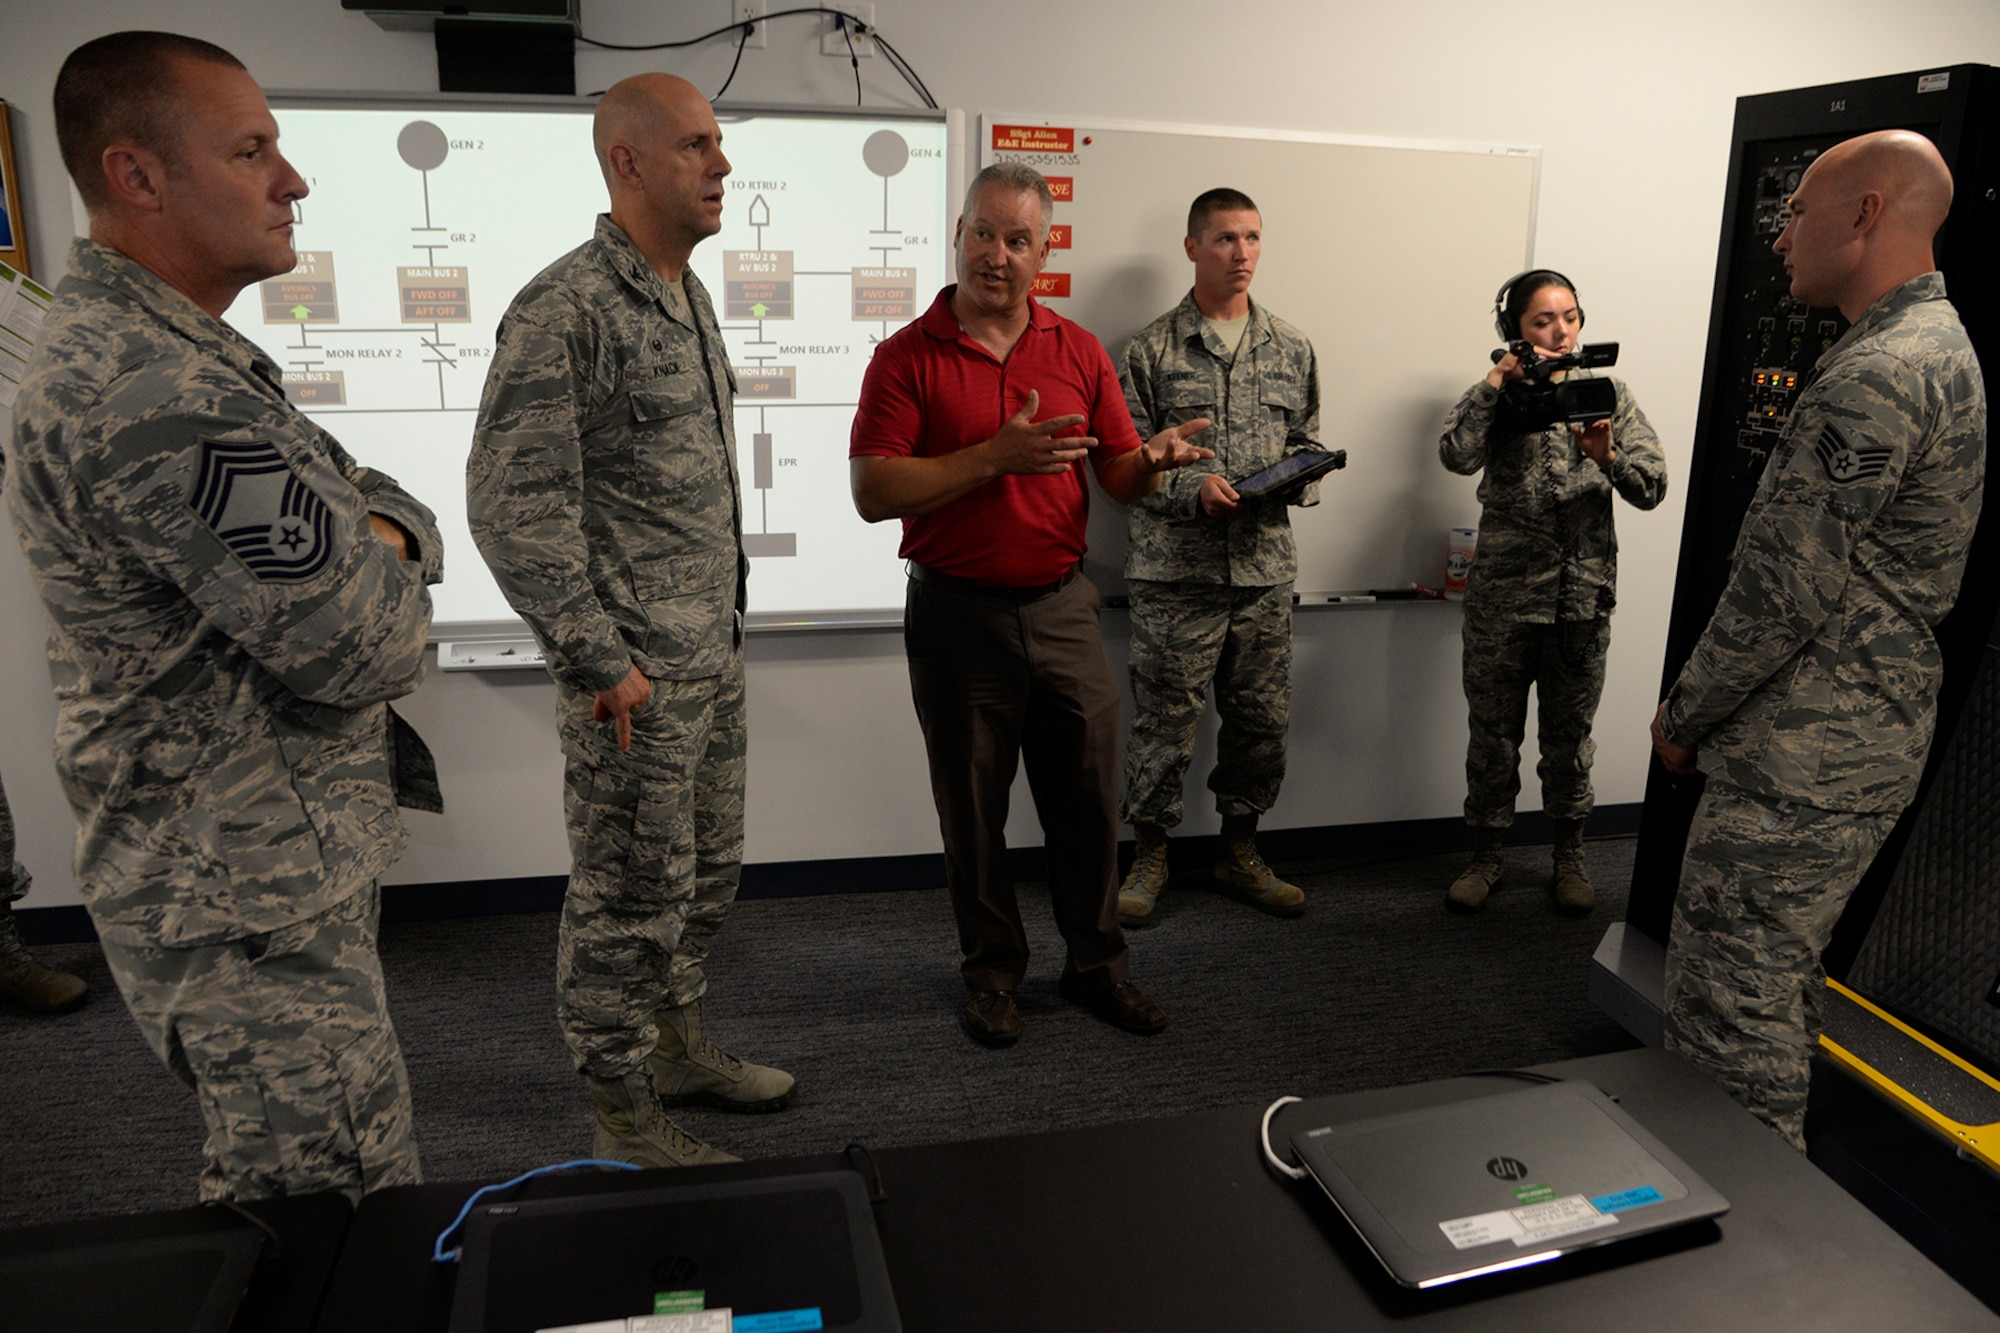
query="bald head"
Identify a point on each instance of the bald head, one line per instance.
(1903, 167)
(661, 153)
(1863, 219)
(640, 109)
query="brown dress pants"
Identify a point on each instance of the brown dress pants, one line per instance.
(1002, 676)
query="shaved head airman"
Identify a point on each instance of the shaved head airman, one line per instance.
(1864, 218)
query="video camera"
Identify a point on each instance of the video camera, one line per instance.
(1540, 399)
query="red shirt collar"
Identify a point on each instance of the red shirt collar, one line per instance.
(941, 323)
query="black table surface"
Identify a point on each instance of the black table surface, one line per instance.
(1179, 1224)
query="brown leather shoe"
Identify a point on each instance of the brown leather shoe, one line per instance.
(991, 1016)
(1122, 1005)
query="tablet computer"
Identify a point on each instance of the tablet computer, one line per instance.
(1290, 471)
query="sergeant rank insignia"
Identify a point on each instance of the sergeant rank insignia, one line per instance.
(1844, 463)
(275, 523)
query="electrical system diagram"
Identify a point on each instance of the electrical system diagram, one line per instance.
(422, 224)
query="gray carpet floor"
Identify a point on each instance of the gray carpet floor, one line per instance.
(858, 996)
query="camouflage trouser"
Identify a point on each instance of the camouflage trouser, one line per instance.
(1185, 636)
(656, 845)
(1565, 664)
(14, 876)
(1762, 884)
(286, 1040)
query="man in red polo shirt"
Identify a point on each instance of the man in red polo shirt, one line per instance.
(973, 428)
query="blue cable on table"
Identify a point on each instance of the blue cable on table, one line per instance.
(438, 1252)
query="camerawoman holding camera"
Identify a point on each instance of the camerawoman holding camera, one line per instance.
(1552, 441)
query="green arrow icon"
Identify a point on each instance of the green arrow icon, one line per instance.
(760, 310)
(301, 311)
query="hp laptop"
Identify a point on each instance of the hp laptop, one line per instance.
(785, 1252)
(1502, 1181)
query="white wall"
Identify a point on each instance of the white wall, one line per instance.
(1631, 105)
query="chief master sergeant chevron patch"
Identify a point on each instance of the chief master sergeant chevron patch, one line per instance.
(275, 523)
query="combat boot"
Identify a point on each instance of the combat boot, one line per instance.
(1139, 895)
(1574, 892)
(688, 1068)
(1243, 874)
(1481, 876)
(42, 989)
(631, 1126)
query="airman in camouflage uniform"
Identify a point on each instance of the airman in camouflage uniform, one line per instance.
(231, 601)
(1810, 699)
(602, 490)
(1539, 597)
(1211, 574)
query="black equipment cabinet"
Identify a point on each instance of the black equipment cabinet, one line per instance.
(1761, 344)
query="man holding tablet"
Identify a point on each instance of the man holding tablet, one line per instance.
(1211, 569)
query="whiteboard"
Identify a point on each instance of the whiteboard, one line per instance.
(1385, 254)
(426, 216)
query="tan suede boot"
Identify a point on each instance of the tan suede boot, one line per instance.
(1481, 875)
(687, 1067)
(632, 1127)
(42, 989)
(1243, 873)
(1575, 894)
(1139, 895)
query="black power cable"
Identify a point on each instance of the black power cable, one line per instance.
(853, 57)
(849, 24)
(741, 42)
(902, 66)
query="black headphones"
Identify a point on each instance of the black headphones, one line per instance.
(1509, 327)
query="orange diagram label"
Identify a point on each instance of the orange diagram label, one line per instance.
(1063, 188)
(1051, 284)
(1033, 139)
(1059, 236)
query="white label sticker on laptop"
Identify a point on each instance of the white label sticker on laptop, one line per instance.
(1465, 1233)
(1559, 1217)
(714, 1320)
(1526, 1226)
